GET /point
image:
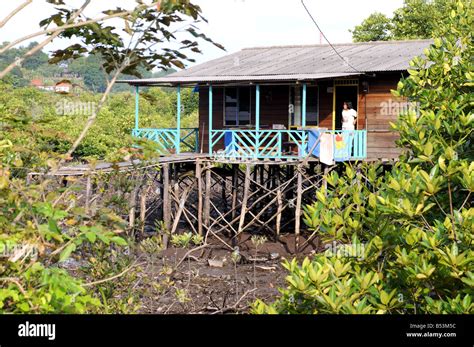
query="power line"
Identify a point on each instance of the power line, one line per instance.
(330, 44)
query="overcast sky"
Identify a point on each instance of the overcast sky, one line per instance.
(238, 23)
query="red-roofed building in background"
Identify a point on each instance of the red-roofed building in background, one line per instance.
(36, 82)
(63, 87)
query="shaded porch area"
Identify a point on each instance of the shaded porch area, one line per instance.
(268, 125)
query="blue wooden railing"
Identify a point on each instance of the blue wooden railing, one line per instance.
(260, 144)
(286, 144)
(349, 144)
(168, 139)
(344, 144)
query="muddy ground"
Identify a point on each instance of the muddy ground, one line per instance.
(176, 281)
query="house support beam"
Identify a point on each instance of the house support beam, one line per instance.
(178, 121)
(303, 107)
(257, 119)
(210, 120)
(137, 104)
(257, 107)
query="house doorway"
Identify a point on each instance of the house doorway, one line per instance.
(343, 93)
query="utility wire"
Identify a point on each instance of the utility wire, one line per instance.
(330, 44)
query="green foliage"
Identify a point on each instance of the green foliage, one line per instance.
(416, 19)
(138, 45)
(17, 76)
(376, 27)
(58, 257)
(186, 239)
(402, 240)
(40, 232)
(30, 119)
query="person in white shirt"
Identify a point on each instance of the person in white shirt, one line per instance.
(349, 119)
(349, 116)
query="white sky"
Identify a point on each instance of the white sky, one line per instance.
(236, 23)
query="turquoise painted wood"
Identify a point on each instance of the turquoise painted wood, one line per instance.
(210, 120)
(349, 144)
(257, 107)
(261, 144)
(178, 121)
(303, 107)
(250, 144)
(137, 100)
(275, 144)
(166, 138)
(257, 120)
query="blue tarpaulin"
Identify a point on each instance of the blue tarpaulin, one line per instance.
(313, 136)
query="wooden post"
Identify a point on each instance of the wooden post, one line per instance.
(199, 182)
(245, 198)
(209, 134)
(223, 193)
(137, 102)
(88, 193)
(143, 209)
(178, 121)
(299, 191)
(235, 180)
(279, 202)
(132, 204)
(326, 172)
(166, 197)
(255, 177)
(207, 199)
(303, 107)
(179, 211)
(176, 182)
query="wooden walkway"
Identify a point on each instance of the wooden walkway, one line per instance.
(75, 169)
(105, 167)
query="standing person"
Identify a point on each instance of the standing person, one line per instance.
(349, 120)
(349, 116)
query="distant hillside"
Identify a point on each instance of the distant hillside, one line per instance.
(84, 72)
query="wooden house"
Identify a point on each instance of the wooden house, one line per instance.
(266, 102)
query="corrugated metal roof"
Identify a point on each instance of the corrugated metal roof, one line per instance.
(283, 63)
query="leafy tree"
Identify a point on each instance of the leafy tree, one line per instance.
(89, 68)
(36, 60)
(416, 19)
(376, 27)
(403, 240)
(41, 230)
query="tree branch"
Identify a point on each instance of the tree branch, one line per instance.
(14, 12)
(42, 44)
(74, 25)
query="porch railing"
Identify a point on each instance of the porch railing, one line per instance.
(286, 144)
(166, 138)
(349, 144)
(260, 144)
(344, 144)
